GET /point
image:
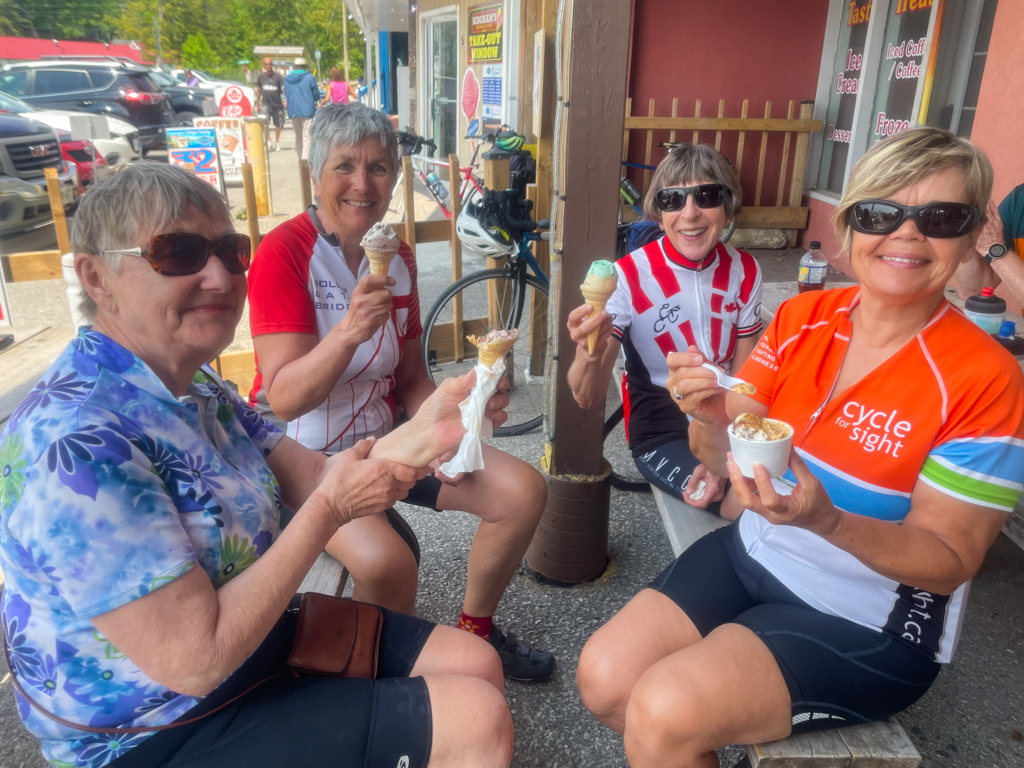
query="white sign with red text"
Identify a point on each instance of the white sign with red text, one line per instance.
(234, 100)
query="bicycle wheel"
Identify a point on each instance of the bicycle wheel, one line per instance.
(494, 299)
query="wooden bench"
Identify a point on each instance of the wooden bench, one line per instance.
(327, 576)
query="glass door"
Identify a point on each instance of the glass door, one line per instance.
(443, 37)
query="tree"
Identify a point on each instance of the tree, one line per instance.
(198, 54)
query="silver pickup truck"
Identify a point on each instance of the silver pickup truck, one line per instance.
(27, 149)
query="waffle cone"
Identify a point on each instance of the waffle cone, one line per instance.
(598, 300)
(379, 262)
(490, 352)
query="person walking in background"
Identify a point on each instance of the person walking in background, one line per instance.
(301, 96)
(269, 87)
(339, 91)
(191, 80)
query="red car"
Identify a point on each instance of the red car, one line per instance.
(81, 153)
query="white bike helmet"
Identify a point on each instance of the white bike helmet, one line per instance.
(490, 241)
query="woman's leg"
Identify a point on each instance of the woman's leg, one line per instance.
(382, 566)
(648, 629)
(472, 727)
(724, 689)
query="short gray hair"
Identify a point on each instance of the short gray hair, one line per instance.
(694, 162)
(348, 124)
(134, 203)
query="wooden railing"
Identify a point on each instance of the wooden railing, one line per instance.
(786, 213)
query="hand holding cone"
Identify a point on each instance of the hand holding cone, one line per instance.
(599, 286)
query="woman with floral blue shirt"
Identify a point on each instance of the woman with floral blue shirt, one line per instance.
(147, 575)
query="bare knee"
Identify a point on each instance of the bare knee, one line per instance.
(601, 684)
(472, 727)
(664, 722)
(450, 651)
(527, 492)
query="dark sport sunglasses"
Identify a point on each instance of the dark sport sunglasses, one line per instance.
(183, 253)
(704, 196)
(943, 220)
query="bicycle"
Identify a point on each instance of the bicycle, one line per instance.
(512, 296)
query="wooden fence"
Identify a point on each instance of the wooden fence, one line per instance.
(787, 212)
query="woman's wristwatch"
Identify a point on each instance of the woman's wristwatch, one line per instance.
(995, 251)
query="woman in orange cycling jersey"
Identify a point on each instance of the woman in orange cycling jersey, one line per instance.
(841, 589)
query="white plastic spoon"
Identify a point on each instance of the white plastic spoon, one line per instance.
(730, 382)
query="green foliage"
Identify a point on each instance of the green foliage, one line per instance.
(207, 34)
(197, 53)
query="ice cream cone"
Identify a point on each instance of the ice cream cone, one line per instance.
(380, 263)
(598, 300)
(490, 352)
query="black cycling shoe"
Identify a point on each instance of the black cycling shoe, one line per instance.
(519, 660)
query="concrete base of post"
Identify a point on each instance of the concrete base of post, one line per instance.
(571, 542)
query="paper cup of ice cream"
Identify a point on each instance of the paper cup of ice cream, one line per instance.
(760, 441)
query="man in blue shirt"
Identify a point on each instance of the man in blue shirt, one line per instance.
(301, 97)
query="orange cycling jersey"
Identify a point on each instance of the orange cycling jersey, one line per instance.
(947, 409)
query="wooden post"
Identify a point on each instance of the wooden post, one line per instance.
(570, 544)
(596, 88)
(305, 184)
(648, 150)
(740, 142)
(496, 176)
(256, 147)
(785, 157)
(796, 186)
(542, 204)
(410, 203)
(696, 113)
(761, 157)
(458, 338)
(251, 215)
(60, 222)
(718, 134)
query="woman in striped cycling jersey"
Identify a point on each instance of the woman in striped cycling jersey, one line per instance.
(841, 590)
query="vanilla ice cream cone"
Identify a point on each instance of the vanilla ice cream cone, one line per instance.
(494, 346)
(599, 286)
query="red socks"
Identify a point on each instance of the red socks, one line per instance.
(477, 625)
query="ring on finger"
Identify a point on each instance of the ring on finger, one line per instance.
(757, 492)
(676, 395)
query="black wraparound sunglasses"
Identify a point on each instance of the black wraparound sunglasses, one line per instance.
(177, 254)
(704, 196)
(942, 220)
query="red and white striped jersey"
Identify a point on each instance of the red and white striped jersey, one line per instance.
(299, 282)
(664, 303)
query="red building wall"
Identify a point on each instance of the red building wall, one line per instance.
(725, 49)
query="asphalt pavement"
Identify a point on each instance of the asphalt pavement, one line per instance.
(973, 715)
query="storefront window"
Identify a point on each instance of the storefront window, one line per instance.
(843, 94)
(902, 68)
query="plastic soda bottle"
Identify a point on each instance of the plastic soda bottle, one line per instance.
(813, 266)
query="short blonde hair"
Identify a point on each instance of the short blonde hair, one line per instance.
(694, 162)
(905, 159)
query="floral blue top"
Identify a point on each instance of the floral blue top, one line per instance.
(110, 487)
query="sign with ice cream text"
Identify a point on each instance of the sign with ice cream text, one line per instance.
(485, 40)
(195, 149)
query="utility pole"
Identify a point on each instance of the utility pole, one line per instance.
(159, 51)
(344, 38)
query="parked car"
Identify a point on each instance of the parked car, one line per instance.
(205, 79)
(188, 103)
(122, 147)
(89, 163)
(101, 85)
(27, 149)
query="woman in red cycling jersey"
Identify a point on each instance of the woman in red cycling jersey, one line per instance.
(841, 590)
(686, 288)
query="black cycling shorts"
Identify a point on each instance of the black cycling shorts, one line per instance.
(424, 493)
(307, 721)
(838, 672)
(669, 467)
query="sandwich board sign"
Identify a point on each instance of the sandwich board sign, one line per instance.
(195, 149)
(230, 144)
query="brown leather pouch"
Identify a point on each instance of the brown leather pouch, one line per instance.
(336, 637)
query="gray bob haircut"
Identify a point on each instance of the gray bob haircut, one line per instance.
(698, 163)
(135, 203)
(348, 124)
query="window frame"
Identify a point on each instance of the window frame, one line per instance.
(860, 132)
(82, 72)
